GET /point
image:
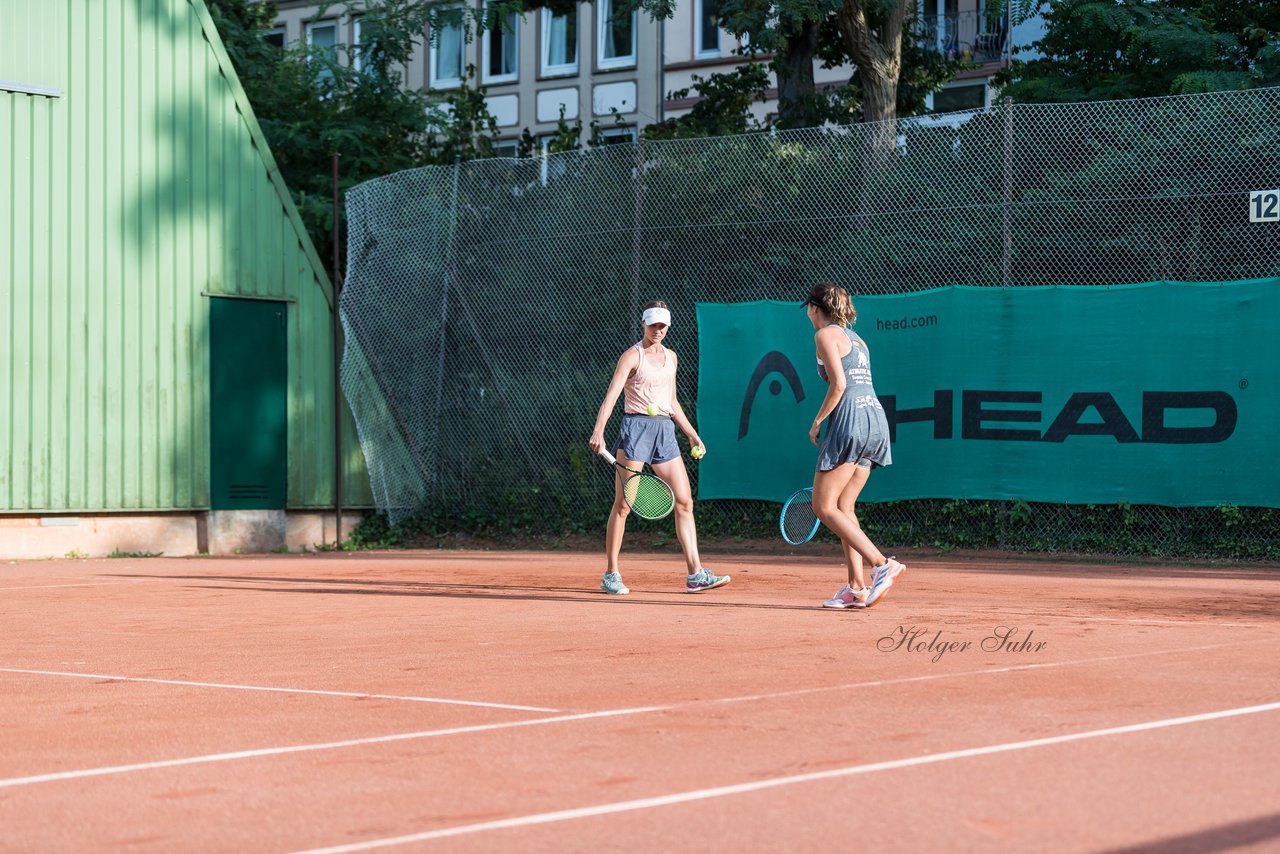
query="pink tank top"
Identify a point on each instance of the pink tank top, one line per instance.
(650, 385)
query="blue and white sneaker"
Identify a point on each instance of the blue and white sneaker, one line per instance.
(612, 584)
(882, 579)
(704, 580)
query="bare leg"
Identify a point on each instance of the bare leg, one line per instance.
(617, 525)
(673, 472)
(846, 504)
(828, 486)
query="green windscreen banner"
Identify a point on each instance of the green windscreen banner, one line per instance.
(1161, 393)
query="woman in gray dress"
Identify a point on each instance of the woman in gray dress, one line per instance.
(857, 440)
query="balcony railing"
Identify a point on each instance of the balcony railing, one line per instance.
(969, 35)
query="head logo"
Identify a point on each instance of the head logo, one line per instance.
(978, 419)
(772, 361)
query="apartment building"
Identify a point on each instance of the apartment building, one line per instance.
(621, 71)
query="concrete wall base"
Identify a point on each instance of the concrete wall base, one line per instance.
(172, 534)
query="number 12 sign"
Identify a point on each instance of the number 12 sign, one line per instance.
(1264, 206)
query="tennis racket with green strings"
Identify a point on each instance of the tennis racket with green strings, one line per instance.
(798, 520)
(647, 495)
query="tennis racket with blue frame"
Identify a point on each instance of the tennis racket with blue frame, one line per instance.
(798, 520)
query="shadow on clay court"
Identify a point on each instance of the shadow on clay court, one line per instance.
(501, 592)
(1227, 837)
(1037, 564)
(1190, 605)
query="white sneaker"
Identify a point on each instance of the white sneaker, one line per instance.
(612, 584)
(847, 597)
(882, 579)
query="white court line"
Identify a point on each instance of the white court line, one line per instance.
(759, 785)
(268, 688)
(303, 748)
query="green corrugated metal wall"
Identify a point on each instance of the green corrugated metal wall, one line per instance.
(32, 62)
(125, 203)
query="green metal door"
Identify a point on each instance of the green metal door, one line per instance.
(250, 404)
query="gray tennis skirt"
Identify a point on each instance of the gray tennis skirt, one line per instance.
(856, 434)
(648, 438)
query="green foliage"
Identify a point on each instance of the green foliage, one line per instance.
(597, 130)
(1112, 49)
(568, 137)
(460, 126)
(1020, 514)
(241, 25)
(311, 103)
(794, 32)
(724, 108)
(1196, 533)
(119, 553)
(1119, 529)
(374, 532)
(924, 72)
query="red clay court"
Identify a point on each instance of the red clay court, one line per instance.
(489, 701)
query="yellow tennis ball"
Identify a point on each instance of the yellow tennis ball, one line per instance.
(651, 409)
(698, 452)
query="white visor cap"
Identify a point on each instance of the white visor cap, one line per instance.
(656, 315)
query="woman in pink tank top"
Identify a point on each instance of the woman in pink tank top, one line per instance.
(645, 376)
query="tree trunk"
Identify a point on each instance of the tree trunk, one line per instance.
(876, 49)
(793, 65)
(879, 94)
(879, 112)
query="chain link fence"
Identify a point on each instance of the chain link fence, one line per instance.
(485, 304)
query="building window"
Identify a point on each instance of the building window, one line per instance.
(274, 37)
(559, 43)
(323, 37)
(506, 148)
(616, 36)
(322, 40)
(706, 29)
(501, 53)
(446, 50)
(615, 135)
(960, 98)
(357, 45)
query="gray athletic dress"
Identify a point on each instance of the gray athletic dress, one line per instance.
(857, 431)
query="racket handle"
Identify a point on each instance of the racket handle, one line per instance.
(608, 456)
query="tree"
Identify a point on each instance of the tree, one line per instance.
(790, 30)
(873, 33)
(1114, 49)
(724, 108)
(310, 104)
(350, 99)
(877, 36)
